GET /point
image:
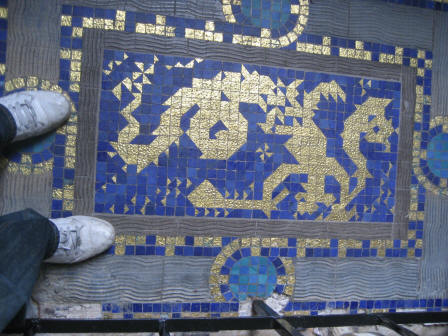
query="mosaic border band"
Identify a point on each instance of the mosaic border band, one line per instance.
(207, 246)
(230, 309)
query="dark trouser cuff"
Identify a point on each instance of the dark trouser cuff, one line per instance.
(54, 242)
(8, 128)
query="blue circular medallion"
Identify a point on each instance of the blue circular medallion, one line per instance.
(40, 148)
(35, 152)
(252, 276)
(36, 144)
(437, 155)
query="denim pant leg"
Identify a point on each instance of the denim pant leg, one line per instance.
(26, 238)
(8, 127)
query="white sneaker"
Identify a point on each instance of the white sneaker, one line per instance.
(36, 112)
(81, 237)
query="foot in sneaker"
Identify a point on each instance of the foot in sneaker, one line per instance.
(36, 112)
(80, 238)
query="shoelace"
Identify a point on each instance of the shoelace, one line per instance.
(25, 113)
(69, 239)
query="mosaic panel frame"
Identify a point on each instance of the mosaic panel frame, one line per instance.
(405, 57)
(63, 195)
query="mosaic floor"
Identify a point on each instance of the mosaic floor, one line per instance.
(239, 154)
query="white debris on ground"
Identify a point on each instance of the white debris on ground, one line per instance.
(276, 302)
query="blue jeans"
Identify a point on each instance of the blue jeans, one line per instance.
(8, 127)
(26, 239)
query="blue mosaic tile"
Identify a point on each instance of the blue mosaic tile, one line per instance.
(252, 276)
(262, 13)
